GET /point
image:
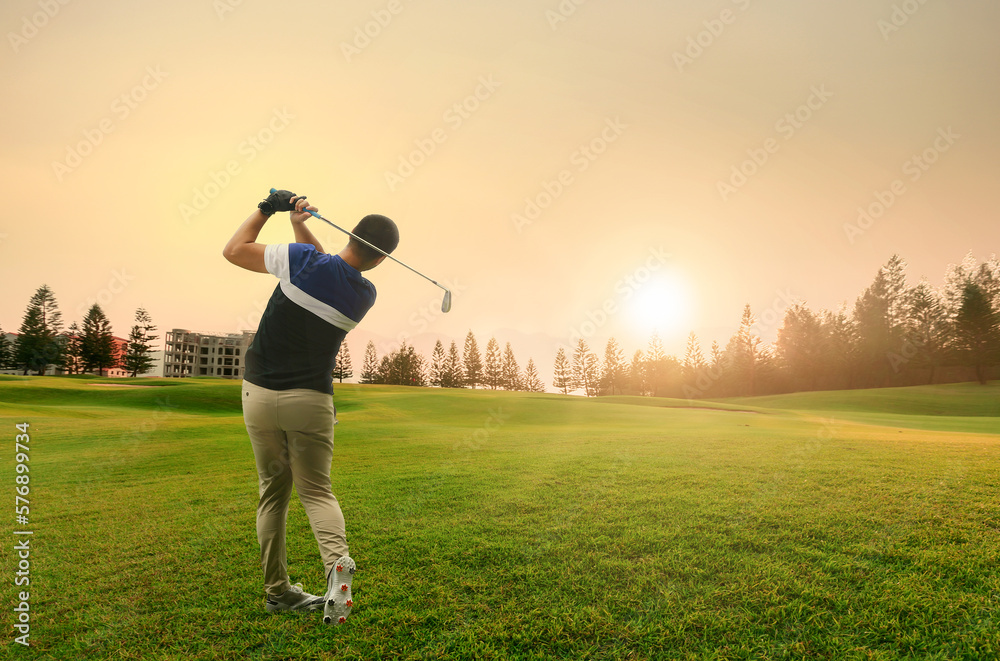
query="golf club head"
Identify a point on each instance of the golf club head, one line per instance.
(446, 303)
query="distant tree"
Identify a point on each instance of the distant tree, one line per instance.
(977, 337)
(585, 369)
(452, 373)
(637, 373)
(925, 332)
(437, 364)
(471, 362)
(403, 367)
(879, 316)
(746, 353)
(493, 371)
(342, 368)
(510, 373)
(370, 368)
(955, 278)
(98, 348)
(531, 381)
(6, 351)
(38, 344)
(694, 363)
(385, 373)
(563, 376)
(895, 290)
(655, 366)
(800, 346)
(137, 359)
(72, 357)
(613, 374)
(839, 350)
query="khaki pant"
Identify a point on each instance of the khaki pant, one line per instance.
(291, 432)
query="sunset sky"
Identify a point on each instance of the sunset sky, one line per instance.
(622, 121)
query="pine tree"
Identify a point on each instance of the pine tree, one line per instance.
(613, 375)
(493, 371)
(562, 379)
(800, 346)
(510, 372)
(637, 372)
(925, 331)
(472, 362)
(98, 348)
(403, 367)
(840, 350)
(38, 344)
(585, 369)
(694, 367)
(655, 365)
(137, 359)
(370, 369)
(5, 350)
(531, 381)
(977, 330)
(746, 352)
(452, 375)
(72, 360)
(694, 359)
(342, 368)
(437, 364)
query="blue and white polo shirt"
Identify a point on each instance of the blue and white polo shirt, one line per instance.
(319, 298)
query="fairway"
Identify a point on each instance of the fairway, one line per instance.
(505, 525)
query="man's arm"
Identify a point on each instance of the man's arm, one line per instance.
(299, 218)
(243, 249)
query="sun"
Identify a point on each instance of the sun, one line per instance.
(661, 304)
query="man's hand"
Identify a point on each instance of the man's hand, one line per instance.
(299, 218)
(301, 214)
(279, 200)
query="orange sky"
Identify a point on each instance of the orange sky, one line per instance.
(620, 118)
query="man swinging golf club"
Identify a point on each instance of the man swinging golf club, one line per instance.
(288, 387)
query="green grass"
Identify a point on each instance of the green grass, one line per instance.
(488, 525)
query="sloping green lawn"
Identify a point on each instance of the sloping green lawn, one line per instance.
(497, 525)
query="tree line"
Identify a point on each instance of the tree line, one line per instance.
(86, 347)
(450, 369)
(895, 334)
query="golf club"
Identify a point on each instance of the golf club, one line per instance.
(445, 304)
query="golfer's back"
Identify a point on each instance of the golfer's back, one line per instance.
(319, 298)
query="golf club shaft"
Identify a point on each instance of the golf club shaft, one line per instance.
(376, 248)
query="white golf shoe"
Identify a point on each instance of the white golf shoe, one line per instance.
(338, 602)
